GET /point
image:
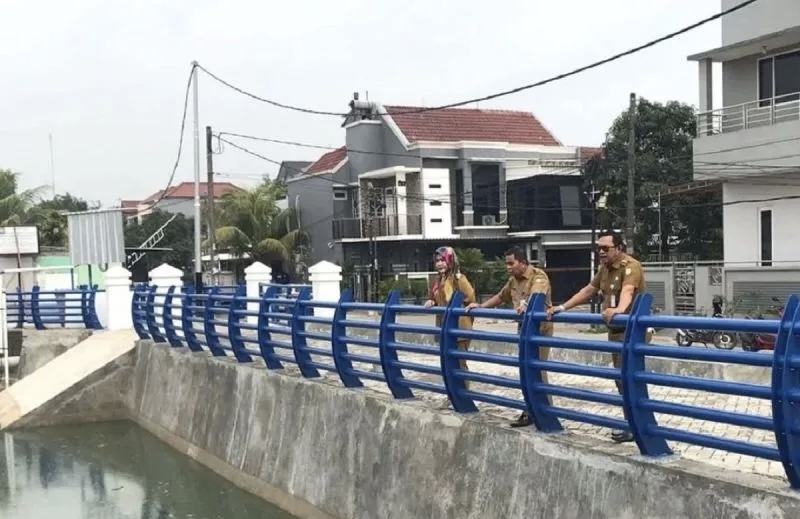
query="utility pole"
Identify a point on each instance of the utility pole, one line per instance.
(630, 227)
(593, 192)
(198, 259)
(372, 206)
(212, 228)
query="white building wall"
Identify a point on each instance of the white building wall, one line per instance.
(760, 18)
(437, 220)
(741, 221)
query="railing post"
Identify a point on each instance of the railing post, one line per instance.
(448, 343)
(786, 390)
(238, 304)
(299, 342)
(35, 311)
(530, 375)
(209, 327)
(188, 301)
(388, 355)
(339, 346)
(150, 312)
(634, 391)
(264, 335)
(89, 308)
(137, 309)
(169, 324)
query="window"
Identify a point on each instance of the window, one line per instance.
(779, 77)
(339, 194)
(765, 237)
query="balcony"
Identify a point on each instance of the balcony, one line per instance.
(381, 226)
(751, 139)
(754, 114)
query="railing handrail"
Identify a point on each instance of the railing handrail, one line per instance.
(289, 319)
(731, 108)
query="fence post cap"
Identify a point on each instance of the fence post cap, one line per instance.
(118, 272)
(257, 268)
(165, 270)
(325, 267)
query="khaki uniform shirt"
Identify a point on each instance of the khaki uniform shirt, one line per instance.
(534, 280)
(443, 291)
(610, 279)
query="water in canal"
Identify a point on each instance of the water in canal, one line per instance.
(112, 471)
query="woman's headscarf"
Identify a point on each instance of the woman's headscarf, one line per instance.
(448, 255)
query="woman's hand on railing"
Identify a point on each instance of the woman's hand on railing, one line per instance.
(429, 303)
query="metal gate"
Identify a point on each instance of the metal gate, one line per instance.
(684, 290)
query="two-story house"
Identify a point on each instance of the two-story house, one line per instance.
(751, 145)
(412, 179)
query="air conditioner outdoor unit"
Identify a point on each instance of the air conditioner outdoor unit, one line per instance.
(489, 219)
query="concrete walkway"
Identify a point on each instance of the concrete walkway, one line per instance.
(72, 367)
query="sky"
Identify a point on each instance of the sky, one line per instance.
(107, 78)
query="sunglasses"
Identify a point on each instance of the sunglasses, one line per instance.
(604, 248)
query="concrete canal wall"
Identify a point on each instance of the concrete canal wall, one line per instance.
(321, 451)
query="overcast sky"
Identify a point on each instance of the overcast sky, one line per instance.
(107, 77)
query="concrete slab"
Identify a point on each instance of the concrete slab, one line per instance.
(77, 369)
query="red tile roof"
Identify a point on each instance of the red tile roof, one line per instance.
(471, 124)
(186, 190)
(589, 152)
(328, 161)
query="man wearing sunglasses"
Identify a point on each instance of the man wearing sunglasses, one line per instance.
(619, 279)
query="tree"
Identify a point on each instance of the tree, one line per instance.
(178, 235)
(48, 216)
(14, 204)
(252, 223)
(690, 224)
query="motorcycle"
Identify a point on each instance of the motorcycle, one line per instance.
(762, 341)
(721, 340)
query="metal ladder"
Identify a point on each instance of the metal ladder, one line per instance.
(152, 241)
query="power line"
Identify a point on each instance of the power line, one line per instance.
(180, 141)
(503, 93)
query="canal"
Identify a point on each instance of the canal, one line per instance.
(113, 471)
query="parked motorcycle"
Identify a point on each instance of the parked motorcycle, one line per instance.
(762, 341)
(721, 340)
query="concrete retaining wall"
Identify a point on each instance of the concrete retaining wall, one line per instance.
(321, 451)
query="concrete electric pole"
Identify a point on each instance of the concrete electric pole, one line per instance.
(212, 228)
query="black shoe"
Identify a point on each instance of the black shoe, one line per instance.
(622, 436)
(523, 420)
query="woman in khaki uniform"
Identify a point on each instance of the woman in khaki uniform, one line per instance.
(445, 285)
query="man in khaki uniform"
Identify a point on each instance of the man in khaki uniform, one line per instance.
(524, 280)
(620, 279)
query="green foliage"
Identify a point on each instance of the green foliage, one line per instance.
(15, 204)
(179, 236)
(488, 277)
(409, 288)
(47, 216)
(664, 134)
(250, 222)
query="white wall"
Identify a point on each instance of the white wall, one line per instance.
(741, 223)
(436, 186)
(761, 18)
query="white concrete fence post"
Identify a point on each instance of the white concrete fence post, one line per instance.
(326, 285)
(163, 277)
(254, 276)
(119, 298)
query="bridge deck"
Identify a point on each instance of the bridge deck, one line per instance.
(713, 457)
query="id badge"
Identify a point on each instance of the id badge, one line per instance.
(613, 301)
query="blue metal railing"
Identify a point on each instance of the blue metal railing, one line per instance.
(275, 329)
(44, 309)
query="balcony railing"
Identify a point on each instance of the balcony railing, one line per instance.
(753, 114)
(391, 225)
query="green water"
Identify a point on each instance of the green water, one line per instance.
(112, 471)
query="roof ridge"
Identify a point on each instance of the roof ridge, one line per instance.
(424, 109)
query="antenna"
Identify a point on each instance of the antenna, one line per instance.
(52, 164)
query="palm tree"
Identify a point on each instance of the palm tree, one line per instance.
(253, 224)
(14, 205)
